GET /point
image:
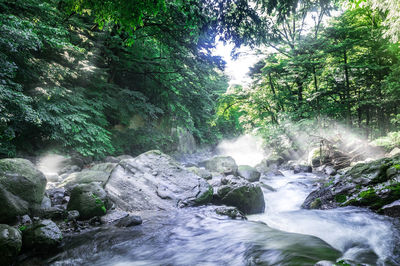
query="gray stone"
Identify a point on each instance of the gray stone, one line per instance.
(113, 216)
(85, 177)
(203, 173)
(249, 173)
(10, 244)
(69, 169)
(46, 203)
(22, 187)
(231, 212)
(247, 197)
(128, 221)
(42, 236)
(392, 209)
(89, 200)
(111, 159)
(133, 187)
(104, 167)
(72, 215)
(124, 157)
(221, 164)
(302, 169)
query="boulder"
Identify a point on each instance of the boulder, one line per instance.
(231, 212)
(124, 157)
(42, 235)
(89, 200)
(111, 159)
(155, 181)
(392, 209)
(128, 221)
(113, 216)
(85, 177)
(10, 244)
(270, 164)
(302, 169)
(203, 173)
(316, 159)
(104, 167)
(221, 164)
(394, 152)
(245, 196)
(373, 184)
(249, 173)
(22, 188)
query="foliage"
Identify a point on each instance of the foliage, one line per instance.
(389, 142)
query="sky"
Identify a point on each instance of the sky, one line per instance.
(237, 69)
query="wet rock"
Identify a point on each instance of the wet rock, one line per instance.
(113, 216)
(231, 179)
(55, 213)
(85, 177)
(302, 169)
(324, 263)
(221, 164)
(392, 209)
(249, 173)
(46, 203)
(133, 187)
(10, 244)
(373, 184)
(42, 236)
(128, 221)
(231, 212)
(56, 195)
(203, 173)
(247, 197)
(104, 167)
(22, 188)
(26, 220)
(72, 215)
(52, 177)
(89, 200)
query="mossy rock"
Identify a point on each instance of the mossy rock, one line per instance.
(10, 244)
(221, 164)
(85, 177)
(42, 236)
(89, 200)
(22, 188)
(249, 173)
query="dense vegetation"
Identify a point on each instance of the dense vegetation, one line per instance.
(316, 69)
(122, 76)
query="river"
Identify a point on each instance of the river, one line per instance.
(284, 235)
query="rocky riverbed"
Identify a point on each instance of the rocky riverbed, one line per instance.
(124, 209)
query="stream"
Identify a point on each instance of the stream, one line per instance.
(283, 235)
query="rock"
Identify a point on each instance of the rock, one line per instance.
(55, 213)
(329, 170)
(316, 159)
(302, 169)
(85, 177)
(52, 177)
(89, 200)
(221, 164)
(10, 244)
(46, 203)
(128, 221)
(104, 167)
(231, 212)
(22, 188)
(394, 152)
(373, 184)
(249, 173)
(203, 173)
(124, 157)
(26, 220)
(247, 197)
(42, 235)
(231, 179)
(111, 159)
(69, 169)
(133, 187)
(72, 215)
(324, 263)
(392, 209)
(113, 216)
(56, 195)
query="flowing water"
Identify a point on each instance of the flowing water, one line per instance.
(283, 235)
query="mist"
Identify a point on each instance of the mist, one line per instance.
(246, 149)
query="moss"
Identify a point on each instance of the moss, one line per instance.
(22, 228)
(397, 166)
(99, 202)
(206, 197)
(316, 204)
(341, 198)
(382, 177)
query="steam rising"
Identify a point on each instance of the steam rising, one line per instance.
(246, 150)
(50, 163)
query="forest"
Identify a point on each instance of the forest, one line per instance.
(125, 140)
